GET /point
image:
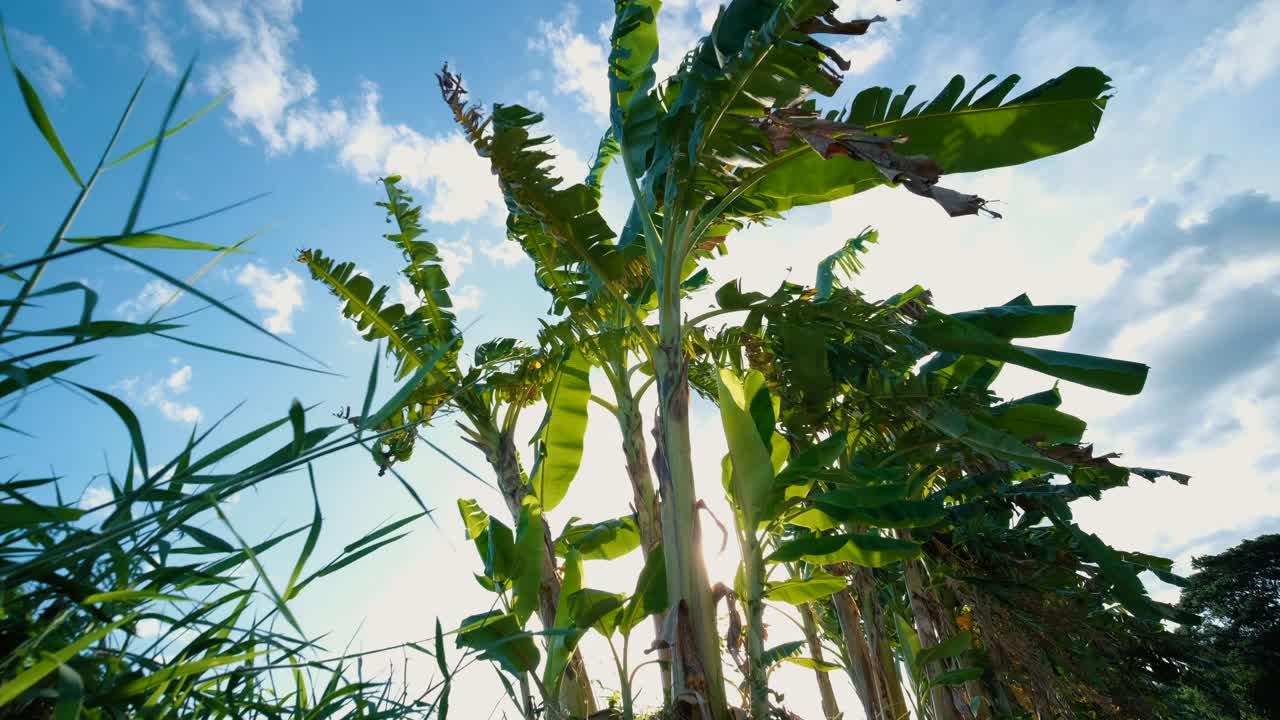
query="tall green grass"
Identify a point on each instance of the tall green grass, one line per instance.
(152, 604)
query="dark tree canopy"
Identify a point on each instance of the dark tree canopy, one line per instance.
(1237, 592)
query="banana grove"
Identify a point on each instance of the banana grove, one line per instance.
(917, 524)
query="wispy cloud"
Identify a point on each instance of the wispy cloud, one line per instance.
(179, 381)
(278, 294)
(150, 298)
(461, 184)
(1248, 52)
(504, 253)
(267, 85)
(1198, 299)
(162, 394)
(155, 38)
(93, 496)
(467, 297)
(276, 100)
(49, 67)
(580, 63)
(90, 11)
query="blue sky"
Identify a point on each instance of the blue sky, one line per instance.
(1164, 231)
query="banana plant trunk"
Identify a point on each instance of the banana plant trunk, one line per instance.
(644, 498)
(506, 465)
(884, 670)
(696, 673)
(861, 670)
(941, 605)
(753, 571)
(830, 709)
(940, 696)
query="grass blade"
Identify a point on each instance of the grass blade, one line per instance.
(370, 389)
(51, 251)
(155, 151)
(36, 109)
(152, 241)
(128, 418)
(20, 378)
(216, 102)
(345, 560)
(105, 240)
(200, 273)
(247, 356)
(396, 401)
(456, 462)
(317, 521)
(211, 300)
(34, 674)
(381, 532)
(262, 573)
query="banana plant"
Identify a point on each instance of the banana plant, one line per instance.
(734, 137)
(613, 615)
(512, 571)
(504, 379)
(921, 466)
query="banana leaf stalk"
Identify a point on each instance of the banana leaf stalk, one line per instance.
(644, 498)
(861, 670)
(500, 452)
(830, 708)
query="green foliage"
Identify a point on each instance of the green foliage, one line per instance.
(1237, 593)
(412, 337)
(859, 549)
(77, 584)
(949, 334)
(633, 110)
(560, 229)
(38, 115)
(605, 540)
(498, 637)
(749, 441)
(559, 439)
(802, 590)
(846, 258)
(527, 559)
(970, 133)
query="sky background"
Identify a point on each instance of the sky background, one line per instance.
(1163, 231)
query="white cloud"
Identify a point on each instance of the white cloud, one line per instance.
(148, 627)
(269, 91)
(161, 395)
(535, 100)
(312, 127)
(504, 252)
(278, 100)
(155, 39)
(581, 64)
(863, 52)
(179, 381)
(89, 9)
(1248, 52)
(154, 295)
(461, 184)
(406, 297)
(153, 26)
(93, 496)
(279, 294)
(1230, 60)
(455, 256)
(50, 68)
(466, 297)
(680, 25)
